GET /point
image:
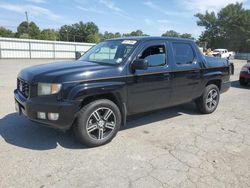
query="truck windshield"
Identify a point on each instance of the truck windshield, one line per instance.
(110, 52)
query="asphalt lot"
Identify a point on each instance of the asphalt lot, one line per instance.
(175, 147)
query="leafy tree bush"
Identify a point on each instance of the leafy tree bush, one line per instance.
(136, 33)
(6, 32)
(49, 34)
(229, 28)
(172, 33)
(31, 29)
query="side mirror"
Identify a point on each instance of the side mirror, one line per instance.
(77, 55)
(140, 64)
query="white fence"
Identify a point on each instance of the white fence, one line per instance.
(40, 49)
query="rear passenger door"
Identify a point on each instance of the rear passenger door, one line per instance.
(186, 72)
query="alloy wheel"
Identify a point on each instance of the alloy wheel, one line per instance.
(101, 123)
(212, 99)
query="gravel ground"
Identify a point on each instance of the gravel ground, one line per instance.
(175, 147)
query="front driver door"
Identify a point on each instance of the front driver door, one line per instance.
(150, 89)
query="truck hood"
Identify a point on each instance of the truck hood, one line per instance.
(216, 62)
(67, 71)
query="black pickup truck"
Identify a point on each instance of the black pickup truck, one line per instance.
(118, 78)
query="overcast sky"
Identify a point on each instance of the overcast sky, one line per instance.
(154, 17)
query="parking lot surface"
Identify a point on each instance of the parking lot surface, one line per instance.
(175, 147)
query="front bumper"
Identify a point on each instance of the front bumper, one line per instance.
(30, 106)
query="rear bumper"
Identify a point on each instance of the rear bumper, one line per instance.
(225, 86)
(30, 107)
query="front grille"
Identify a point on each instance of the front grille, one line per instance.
(23, 87)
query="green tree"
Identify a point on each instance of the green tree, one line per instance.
(31, 29)
(34, 30)
(91, 28)
(93, 38)
(186, 36)
(136, 33)
(117, 35)
(79, 32)
(171, 33)
(48, 34)
(65, 33)
(109, 35)
(6, 32)
(24, 36)
(22, 28)
(212, 31)
(229, 28)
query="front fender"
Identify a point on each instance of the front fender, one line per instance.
(117, 88)
(81, 91)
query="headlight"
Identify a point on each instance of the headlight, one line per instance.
(48, 89)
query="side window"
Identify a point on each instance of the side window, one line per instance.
(155, 55)
(183, 53)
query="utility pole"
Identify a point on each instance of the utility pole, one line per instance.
(67, 35)
(27, 20)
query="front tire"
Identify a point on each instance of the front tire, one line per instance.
(97, 123)
(209, 100)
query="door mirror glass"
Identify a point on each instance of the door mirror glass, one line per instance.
(140, 64)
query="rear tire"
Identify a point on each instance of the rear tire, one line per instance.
(97, 123)
(243, 82)
(209, 100)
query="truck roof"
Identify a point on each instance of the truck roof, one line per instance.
(147, 38)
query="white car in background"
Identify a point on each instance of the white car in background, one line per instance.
(223, 53)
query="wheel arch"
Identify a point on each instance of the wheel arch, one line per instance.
(216, 82)
(114, 97)
(114, 91)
